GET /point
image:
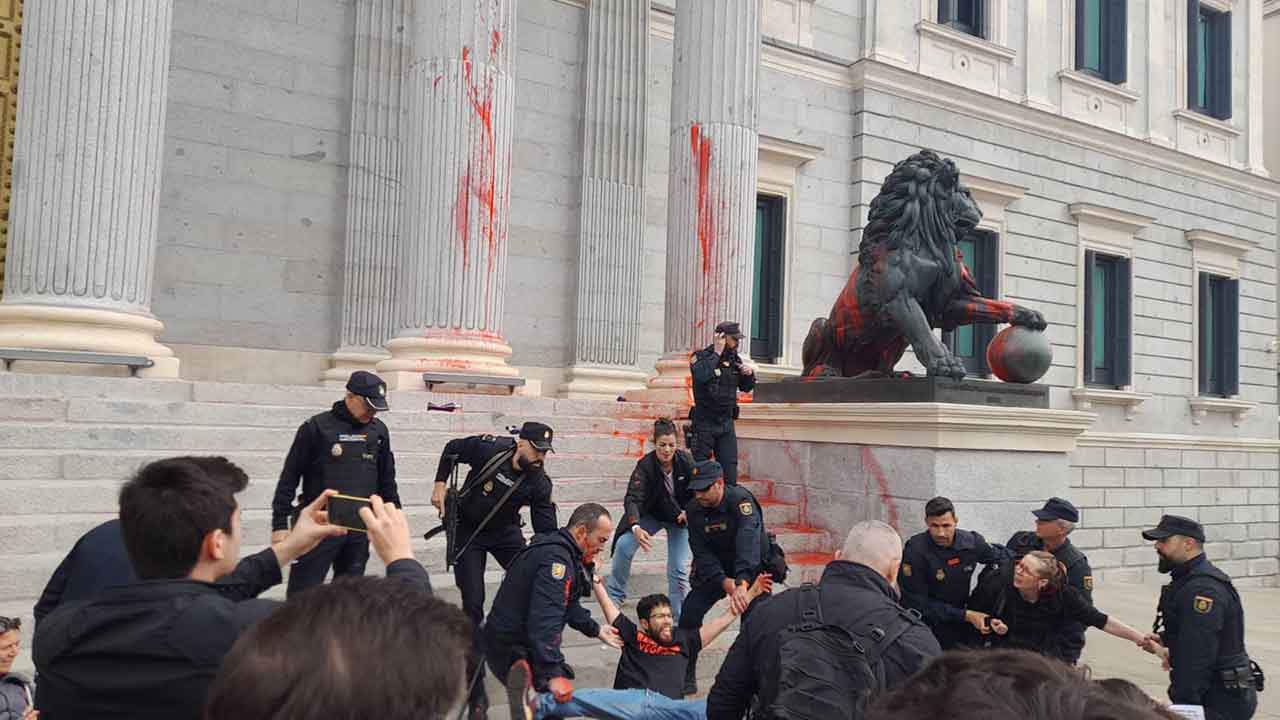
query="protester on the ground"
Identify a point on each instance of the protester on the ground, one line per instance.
(505, 475)
(1006, 685)
(150, 649)
(347, 449)
(1054, 523)
(657, 495)
(540, 594)
(719, 374)
(1035, 609)
(358, 648)
(1199, 628)
(15, 688)
(937, 570)
(730, 549)
(804, 632)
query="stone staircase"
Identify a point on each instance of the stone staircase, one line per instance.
(69, 441)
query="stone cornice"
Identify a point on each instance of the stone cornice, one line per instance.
(1157, 441)
(1118, 219)
(926, 425)
(795, 153)
(1219, 242)
(995, 191)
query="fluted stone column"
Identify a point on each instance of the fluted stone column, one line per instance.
(86, 179)
(453, 255)
(611, 234)
(374, 185)
(711, 197)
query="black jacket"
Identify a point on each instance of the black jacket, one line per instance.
(539, 595)
(935, 580)
(482, 495)
(1048, 626)
(647, 494)
(716, 382)
(312, 448)
(151, 649)
(852, 596)
(728, 540)
(1203, 627)
(97, 561)
(1079, 576)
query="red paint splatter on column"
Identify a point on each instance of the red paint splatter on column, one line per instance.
(479, 181)
(701, 148)
(871, 464)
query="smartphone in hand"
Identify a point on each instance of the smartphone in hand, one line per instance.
(344, 511)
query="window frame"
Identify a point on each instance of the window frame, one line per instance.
(1217, 77)
(985, 269)
(949, 9)
(1118, 331)
(1220, 293)
(1113, 40)
(773, 295)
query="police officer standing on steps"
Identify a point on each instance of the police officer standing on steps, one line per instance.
(346, 449)
(506, 474)
(730, 548)
(937, 566)
(1054, 522)
(1199, 629)
(719, 372)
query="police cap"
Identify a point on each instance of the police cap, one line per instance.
(1171, 525)
(1055, 508)
(705, 474)
(370, 387)
(730, 329)
(538, 435)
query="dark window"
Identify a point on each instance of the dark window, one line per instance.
(1219, 335)
(1101, 34)
(1208, 60)
(766, 290)
(967, 16)
(980, 250)
(1106, 320)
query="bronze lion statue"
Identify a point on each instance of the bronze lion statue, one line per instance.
(910, 279)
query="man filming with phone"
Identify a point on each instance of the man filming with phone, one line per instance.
(719, 372)
(506, 474)
(347, 449)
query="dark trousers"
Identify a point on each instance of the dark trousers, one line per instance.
(347, 555)
(1222, 704)
(468, 573)
(719, 439)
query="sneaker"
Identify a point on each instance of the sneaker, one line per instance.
(521, 697)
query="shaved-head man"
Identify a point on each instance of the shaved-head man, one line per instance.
(857, 592)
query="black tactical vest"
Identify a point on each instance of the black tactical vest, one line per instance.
(348, 456)
(1231, 651)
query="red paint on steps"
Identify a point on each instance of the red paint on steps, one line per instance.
(636, 446)
(819, 558)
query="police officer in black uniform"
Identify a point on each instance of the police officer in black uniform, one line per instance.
(540, 594)
(1199, 628)
(506, 474)
(937, 567)
(1054, 522)
(347, 449)
(730, 548)
(718, 374)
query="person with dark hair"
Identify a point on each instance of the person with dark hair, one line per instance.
(719, 373)
(335, 652)
(540, 594)
(656, 498)
(854, 602)
(937, 568)
(505, 475)
(99, 560)
(150, 649)
(1199, 628)
(1054, 524)
(1128, 691)
(345, 448)
(15, 688)
(1036, 609)
(1006, 685)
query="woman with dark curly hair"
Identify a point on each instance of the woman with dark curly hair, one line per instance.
(1032, 609)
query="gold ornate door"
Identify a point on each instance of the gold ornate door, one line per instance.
(10, 47)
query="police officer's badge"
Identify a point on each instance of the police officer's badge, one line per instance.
(906, 569)
(557, 571)
(382, 389)
(941, 574)
(1203, 604)
(488, 487)
(745, 507)
(336, 450)
(1088, 583)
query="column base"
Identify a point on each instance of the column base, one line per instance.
(672, 384)
(52, 327)
(588, 382)
(461, 355)
(346, 362)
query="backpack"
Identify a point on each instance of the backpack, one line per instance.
(827, 672)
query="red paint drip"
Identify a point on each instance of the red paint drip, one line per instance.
(640, 439)
(891, 508)
(480, 179)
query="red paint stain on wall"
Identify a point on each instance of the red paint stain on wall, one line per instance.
(701, 148)
(636, 444)
(479, 181)
(873, 466)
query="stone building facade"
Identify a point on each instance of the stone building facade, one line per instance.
(572, 190)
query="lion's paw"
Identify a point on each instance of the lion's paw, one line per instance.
(947, 366)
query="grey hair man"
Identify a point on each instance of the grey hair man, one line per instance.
(1054, 523)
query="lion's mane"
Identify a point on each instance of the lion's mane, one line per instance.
(913, 212)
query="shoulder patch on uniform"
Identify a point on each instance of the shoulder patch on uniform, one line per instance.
(1203, 604)
(745, 507)
(906, 569)
(1088, 582)
(557, 570)
(488, 438)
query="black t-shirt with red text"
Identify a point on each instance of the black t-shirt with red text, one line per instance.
(648, 665)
